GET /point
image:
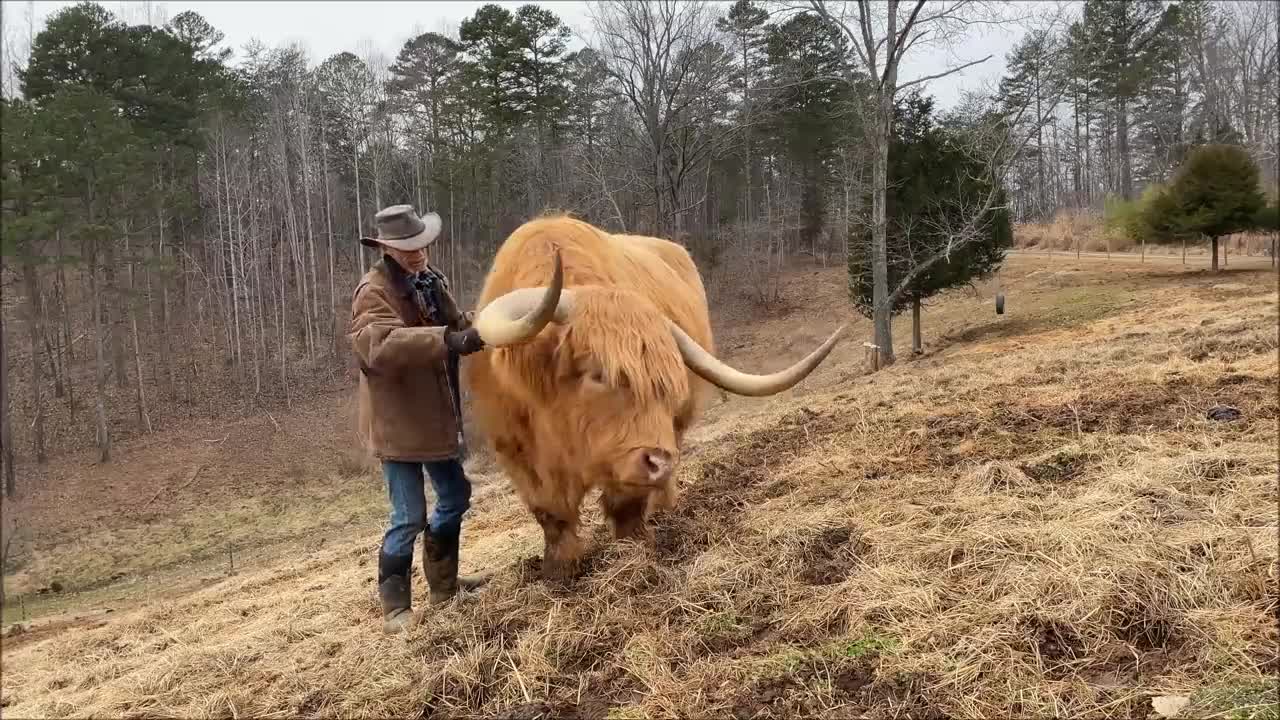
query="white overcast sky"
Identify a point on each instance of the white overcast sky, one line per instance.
(330, 26)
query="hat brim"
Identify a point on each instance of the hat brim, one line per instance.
(430, 231)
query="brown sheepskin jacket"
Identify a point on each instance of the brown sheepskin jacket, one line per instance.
(409, 399)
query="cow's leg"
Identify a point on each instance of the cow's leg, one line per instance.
(627, 514)
(554, 503)
(562, 549)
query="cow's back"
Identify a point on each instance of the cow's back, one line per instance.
(672, 267)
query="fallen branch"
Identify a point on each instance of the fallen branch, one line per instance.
(192, 478)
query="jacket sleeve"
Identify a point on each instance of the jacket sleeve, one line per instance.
(382, 342)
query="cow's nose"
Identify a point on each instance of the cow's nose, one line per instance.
(657, 464)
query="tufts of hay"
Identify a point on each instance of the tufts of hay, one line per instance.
(1066, 536)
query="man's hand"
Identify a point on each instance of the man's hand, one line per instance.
(464, 342)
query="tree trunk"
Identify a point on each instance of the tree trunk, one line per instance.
(53, 351)
(166, 365)
(657, 173)
(144, 418)
(417, 180)
(231, 247)
(260, 345)
(1122, 149)
(1043, 210)
(6, 428)
(284, 337)
(1088, 152)
(917, 346)
(453, 233)
(881, 317)
(34, 328)
(114, 315)
(69, 346)
(58, 351)
(1213, 245)
(328, 225)
(99, 367)
(768, 225)
(355, 162)
(315, 313)
(1077, 184)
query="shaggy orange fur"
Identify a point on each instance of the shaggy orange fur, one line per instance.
(564, 411)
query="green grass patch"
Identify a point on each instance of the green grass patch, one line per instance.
(1244, 700)
(873, 642)
(721, 622)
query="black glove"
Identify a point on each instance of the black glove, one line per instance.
(464, 342)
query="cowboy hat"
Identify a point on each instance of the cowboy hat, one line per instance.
(400, 227)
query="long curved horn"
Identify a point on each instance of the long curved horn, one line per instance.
(521, 314)
(713, 370)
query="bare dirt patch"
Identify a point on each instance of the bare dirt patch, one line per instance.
(830, 556)
(814, 685)
(730, 483)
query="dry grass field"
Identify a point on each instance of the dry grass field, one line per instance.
(1035, 518)
(1085, 231)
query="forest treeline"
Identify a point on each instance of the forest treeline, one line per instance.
(180, 220)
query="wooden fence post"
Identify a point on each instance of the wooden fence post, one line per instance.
(873, 355)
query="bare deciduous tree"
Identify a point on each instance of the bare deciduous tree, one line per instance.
(657, 53)
(879, 36)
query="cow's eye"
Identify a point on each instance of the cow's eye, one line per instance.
(591, 375)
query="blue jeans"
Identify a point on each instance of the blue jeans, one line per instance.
(406, 490)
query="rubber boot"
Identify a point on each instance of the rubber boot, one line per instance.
(440, 564)
(394, 593)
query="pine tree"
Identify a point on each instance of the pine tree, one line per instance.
(589, 92)
(1084, 90)
(1163, 100)
(1028, 84)
(1215, 192)
(540, 41)
(935, 183)
(1127, 35)
(804, 57)
(491, 42)
(746, 24)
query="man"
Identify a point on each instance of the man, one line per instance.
(408, 334)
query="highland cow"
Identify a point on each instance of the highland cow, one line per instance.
(599, 357)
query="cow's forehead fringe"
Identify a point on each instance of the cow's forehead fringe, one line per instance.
(616, 320)
(630, 339)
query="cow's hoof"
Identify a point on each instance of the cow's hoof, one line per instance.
(640, 534)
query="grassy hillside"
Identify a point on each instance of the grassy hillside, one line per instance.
(1035, 518)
